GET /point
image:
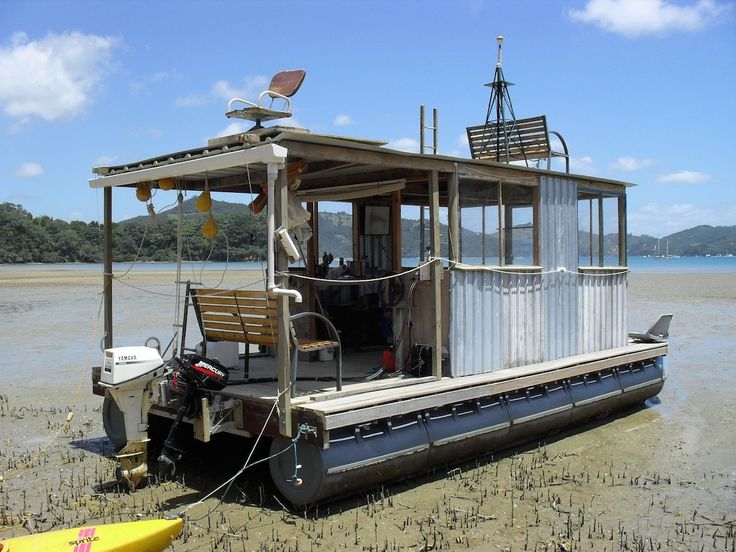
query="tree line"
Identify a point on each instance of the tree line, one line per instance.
(43, 239)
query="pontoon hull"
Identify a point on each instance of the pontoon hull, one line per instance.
(390, 449)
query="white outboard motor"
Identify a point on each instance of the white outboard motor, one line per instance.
(130, 376)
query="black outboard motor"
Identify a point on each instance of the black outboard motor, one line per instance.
(193, 375)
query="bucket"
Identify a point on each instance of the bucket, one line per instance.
(326, 354)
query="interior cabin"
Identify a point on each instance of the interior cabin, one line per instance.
(511, 263)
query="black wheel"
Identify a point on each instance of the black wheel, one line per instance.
(113, 420)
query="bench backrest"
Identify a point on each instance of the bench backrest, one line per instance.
(527, 139)
(242, 316)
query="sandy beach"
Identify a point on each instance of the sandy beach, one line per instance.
(660, 477)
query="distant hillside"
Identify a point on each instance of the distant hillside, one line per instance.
(218, 208)
(698, 241)
(43, 239)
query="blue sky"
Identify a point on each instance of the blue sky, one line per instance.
(642, 90)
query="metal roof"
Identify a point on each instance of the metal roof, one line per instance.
(225, 161)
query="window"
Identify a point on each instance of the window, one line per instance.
(601, 228)
(497, 224)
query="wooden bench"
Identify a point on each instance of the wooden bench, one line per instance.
(527, 140)
(250, 317)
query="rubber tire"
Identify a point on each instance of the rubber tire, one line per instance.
(113, 420)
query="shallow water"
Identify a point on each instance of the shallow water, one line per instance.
(663, 475)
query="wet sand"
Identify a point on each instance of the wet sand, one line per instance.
(660, 477)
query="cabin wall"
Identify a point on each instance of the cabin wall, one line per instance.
(501, 319)
(602, 311)
(495, 321)
(558, 229)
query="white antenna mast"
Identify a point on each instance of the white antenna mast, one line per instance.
(499, 39)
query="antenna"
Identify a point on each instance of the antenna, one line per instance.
(499, 39)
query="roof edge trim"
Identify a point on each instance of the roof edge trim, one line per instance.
(261, 154)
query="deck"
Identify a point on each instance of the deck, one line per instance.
(319, 404)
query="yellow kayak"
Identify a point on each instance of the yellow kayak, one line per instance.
(135, 536)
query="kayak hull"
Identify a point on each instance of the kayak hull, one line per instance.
(135, 536)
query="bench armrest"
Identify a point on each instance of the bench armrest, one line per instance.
(330, 325)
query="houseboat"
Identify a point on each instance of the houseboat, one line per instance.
(506, 323)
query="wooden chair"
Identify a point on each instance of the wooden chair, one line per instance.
(246, 316)
(519, 140)
(284, 85)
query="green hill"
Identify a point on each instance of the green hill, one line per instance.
(243, 237)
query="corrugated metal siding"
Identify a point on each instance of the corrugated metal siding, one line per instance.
(558, 213)
(522, 319)
(499, 320)
(475, 323)
(602, 312)
(560, 308)
(495, 321)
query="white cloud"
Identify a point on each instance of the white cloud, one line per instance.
(233, 128)
(291, 122)
(248, 89)
(686, 177)
(581, 163)
(29, 170)
(192, 100)
(53, 77)
(343, 120)
(631, 164)
(238, 127)
(658, 219)
(404, 144)
(641, 17)
(143, 83)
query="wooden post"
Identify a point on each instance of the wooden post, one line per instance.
(421, 233)
(282, 303)
(453, 217)
(356, 237)
(622, 254)
(508, 231)
(601, 253)
(536, 243)
(107, 266)
(311, 263)
(483, 235)
(396, 230)
(436, 272)
(313, 244)
(501, 248)
(590, 230)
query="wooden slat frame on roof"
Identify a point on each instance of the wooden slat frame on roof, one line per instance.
(525, 139)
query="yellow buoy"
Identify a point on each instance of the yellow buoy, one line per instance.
(143, 191)
(209, 228)
(166, 184)
(204, 202)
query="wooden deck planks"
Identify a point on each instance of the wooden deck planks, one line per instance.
(390, 402)
(363, 402)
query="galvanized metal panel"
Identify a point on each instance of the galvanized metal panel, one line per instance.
(558, 213)
(522, 319)
(602, 311)
(495, 321)
(475, 323)
(501, 319)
